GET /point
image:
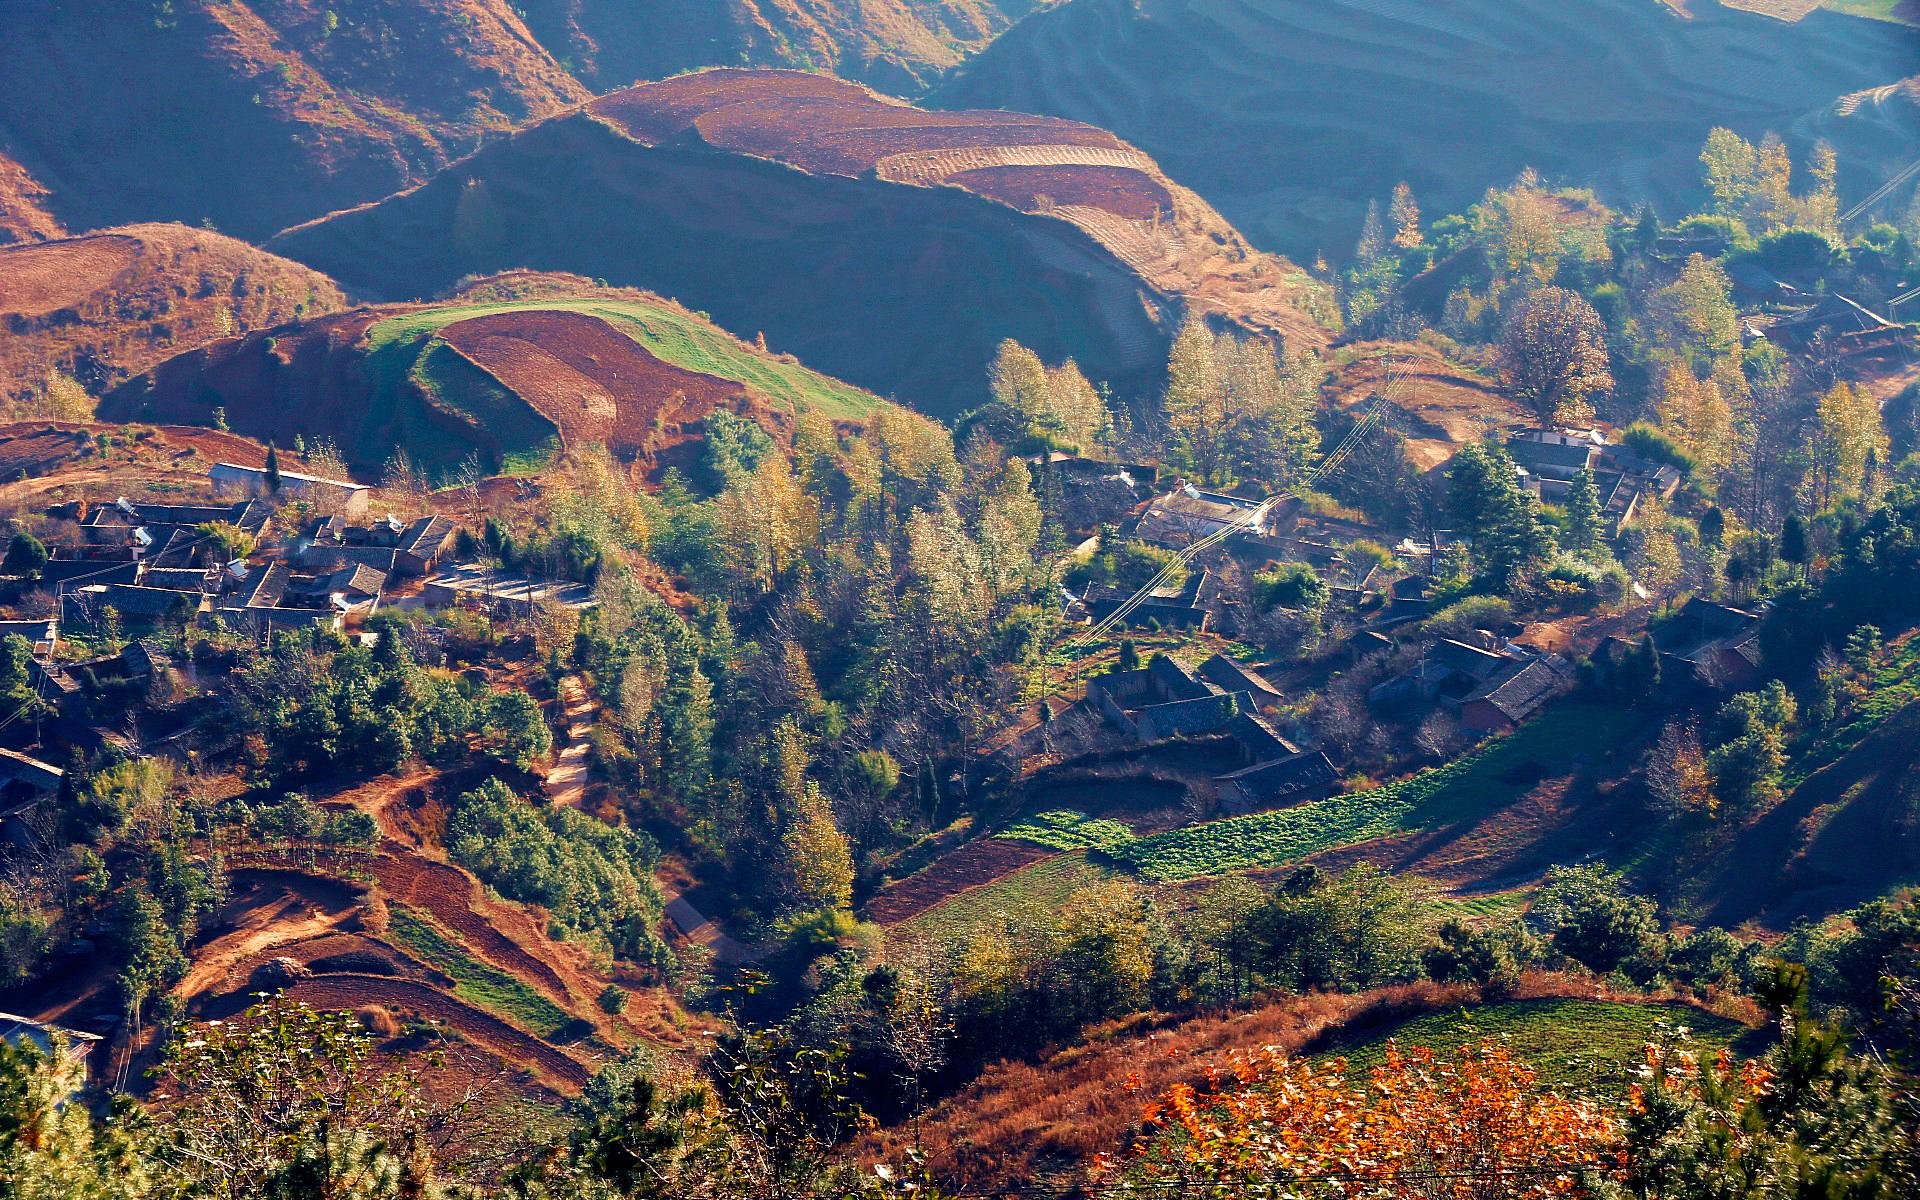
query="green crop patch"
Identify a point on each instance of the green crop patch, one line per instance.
(1068, 829)
(1478, 783)
(476, 982)
(674, 337)
(1583, 1047)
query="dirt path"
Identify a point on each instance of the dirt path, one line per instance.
(566, 783)
(277, 926)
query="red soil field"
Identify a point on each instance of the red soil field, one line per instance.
(1135, 195)
(818, 124)
(348, 991)
(44, 277)
(595, 383)
(972, 865)
(449, 895)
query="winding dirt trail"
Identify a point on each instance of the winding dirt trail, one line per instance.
(566, 783)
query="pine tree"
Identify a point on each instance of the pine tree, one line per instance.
(1583, 512)
(1406, 217)
(1794, 545)
(273, 470)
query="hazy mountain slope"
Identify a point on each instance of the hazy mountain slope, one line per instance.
(105, 306)
(260, 113)
(898, 45)
(23, 205)
(889, 246)
(1290, 114)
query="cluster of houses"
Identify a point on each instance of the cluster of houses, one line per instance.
(1166, 699)
(149, 563)
(1257, 532)
(1493, 685)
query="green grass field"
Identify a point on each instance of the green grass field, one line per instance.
(478, 983)
(675, 337)
(1043, 886)
(1585, 1047)
(1067, 829)
(1900, 12)
(1478, 783)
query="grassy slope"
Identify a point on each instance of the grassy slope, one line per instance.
(1469, 787)
(1044, 885)
(406, 348)
(1581, 1046)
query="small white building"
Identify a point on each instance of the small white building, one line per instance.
(231, 479)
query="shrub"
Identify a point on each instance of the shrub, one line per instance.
(1655, 446)
(1469, 614)
(1289, 585)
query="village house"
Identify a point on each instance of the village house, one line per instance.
(476, 585)
(1187, 514)
(1187, 606)
(231, 479)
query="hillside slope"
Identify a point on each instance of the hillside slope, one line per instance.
(23, 206)
(898, 45)
(1291, 114)
(110, 304)
(255, 114)
(513, 371)
(822, 214)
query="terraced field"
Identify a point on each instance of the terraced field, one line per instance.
(1042, 886)
(513, 381)
(1473, 786)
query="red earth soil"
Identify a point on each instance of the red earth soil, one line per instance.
(595, 383)
(972, 865)
(36, 448)
(818, 124)
(43, 277)
(1122, 191)
(23, 213)
(349, 992)
(448, 894)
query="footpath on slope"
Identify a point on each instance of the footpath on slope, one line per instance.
(566, 782)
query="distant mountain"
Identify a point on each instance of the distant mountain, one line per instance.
(254, 114)
(896, 45)
(111, 304)
(892, 247)
(1290, 115)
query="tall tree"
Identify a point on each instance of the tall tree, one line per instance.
(1405, 214)
(1583, 512)
(1553, 355)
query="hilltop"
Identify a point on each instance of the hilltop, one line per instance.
(1291, 117)
(734, 191)
(110, 304)
(514, 369)
(256, 115)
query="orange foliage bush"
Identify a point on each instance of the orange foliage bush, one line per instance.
(1475, 1127)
